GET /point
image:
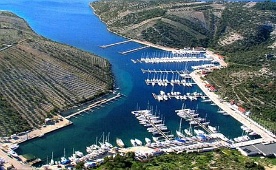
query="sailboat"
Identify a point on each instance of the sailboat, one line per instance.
(133, 143)
(63, 160)
(188, 131)
(138, 142)
(178, 132)
(52, 162)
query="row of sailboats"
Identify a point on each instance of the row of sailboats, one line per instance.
(162, 80)
(153, 123)
(162, 96)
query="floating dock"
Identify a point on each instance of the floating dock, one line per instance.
(113, 44)
(133, 50)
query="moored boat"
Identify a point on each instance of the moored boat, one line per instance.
(147, 140)
(120, 142)
(138, 142)
(179, 134)
(133, 143)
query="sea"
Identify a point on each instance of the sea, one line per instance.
(74, 23)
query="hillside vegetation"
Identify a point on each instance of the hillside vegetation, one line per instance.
(172, 23)
(219, 159)
(39, 77)
(243, 32)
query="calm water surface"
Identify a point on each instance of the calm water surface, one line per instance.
(74, 23)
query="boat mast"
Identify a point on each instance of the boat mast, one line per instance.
(180, 124)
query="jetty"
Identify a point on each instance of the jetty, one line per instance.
(266, 135)
(133, 50)
(113, 44)
(185, 114)
(155, 125)
(97, 103)
(157, 60)
(163, 71)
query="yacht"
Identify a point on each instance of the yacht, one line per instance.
(133, 143)
(120, 143)
(147, 140)
(138, 142)
(188, 132)
(14, 146)
(13, 153)
(212, 129)
(179, 134)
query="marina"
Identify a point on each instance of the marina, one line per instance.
(180, 72)
(177, 95)
(156, 136)
(185, 56)
(164, 78)
(157, 60)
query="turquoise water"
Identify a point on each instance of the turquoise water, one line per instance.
(74, 23)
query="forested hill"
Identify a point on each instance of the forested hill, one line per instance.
(243, 32)
(39, 77)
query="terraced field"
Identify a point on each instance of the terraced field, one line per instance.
(39, 77)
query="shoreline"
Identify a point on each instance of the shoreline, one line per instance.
(55, 124)
(62, 121)
(147, 43)
(266, 135)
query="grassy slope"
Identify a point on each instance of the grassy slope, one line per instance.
(39, 77)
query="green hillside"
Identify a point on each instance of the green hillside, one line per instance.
(220, 159)
(39, 77)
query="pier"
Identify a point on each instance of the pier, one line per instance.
(165, 82)
(113, 44)
(177, 95)
(148, 117)
(98, 103)
(133, 50)
(163, 71)
(183, 114)
(157, 60)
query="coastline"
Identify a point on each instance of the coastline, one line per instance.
(169, 49)
(266, 135)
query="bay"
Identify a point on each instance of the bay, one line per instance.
(75, 24)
